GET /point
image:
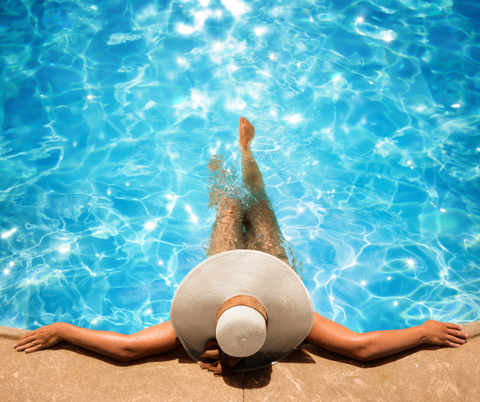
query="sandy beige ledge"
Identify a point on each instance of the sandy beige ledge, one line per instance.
(70, 373)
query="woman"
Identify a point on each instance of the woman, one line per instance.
(250, 226)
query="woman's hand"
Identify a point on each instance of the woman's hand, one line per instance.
(444, 334)
(41, 338)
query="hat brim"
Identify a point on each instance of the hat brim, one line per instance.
(254, 273)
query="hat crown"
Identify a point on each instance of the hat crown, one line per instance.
(241, 331)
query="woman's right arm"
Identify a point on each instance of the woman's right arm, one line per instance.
(156, 339)
(373, 345)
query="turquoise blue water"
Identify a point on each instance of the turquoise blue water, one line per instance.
(367, 121)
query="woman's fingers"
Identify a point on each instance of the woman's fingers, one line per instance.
(28, 342)
(458, 334)
(454, 337)
(455, 340)
(445, 334)
(26, 345)
(34, 348)
(25, 339)
(452, 344)
(455, 333)
(29, 346)
(41, 338)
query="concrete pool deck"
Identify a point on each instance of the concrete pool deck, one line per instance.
(70, 373)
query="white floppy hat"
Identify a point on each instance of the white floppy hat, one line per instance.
(271, 316)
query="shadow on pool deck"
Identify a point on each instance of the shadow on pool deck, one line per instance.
(70, 373)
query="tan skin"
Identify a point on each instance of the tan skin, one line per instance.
(264, 236)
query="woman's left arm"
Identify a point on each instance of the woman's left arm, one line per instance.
(156, 339)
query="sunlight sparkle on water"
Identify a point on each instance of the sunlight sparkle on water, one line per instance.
(296, 118)
(160, 262)
(193, 217)
(259, 31)
(200, 18)
(11, 263)
(184, 29)
(236, 104)
(272, 56)
(411, 262)
(456, 105)
(232, 68)
(395, 303)
(363, 283)
(150, 225)
(199, 97)
(387, 36)
(6, 271)
(236, 7)
(359, 20)
(64, 249)
(9, 233)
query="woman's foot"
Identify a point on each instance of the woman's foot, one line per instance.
(246, 131)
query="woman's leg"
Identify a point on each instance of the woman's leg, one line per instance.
(262, 231)
(227, 231)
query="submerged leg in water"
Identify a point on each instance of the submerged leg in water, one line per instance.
(227, 230)
(262, 230)
(245, 219)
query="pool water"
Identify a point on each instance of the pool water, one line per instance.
(367, 134)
